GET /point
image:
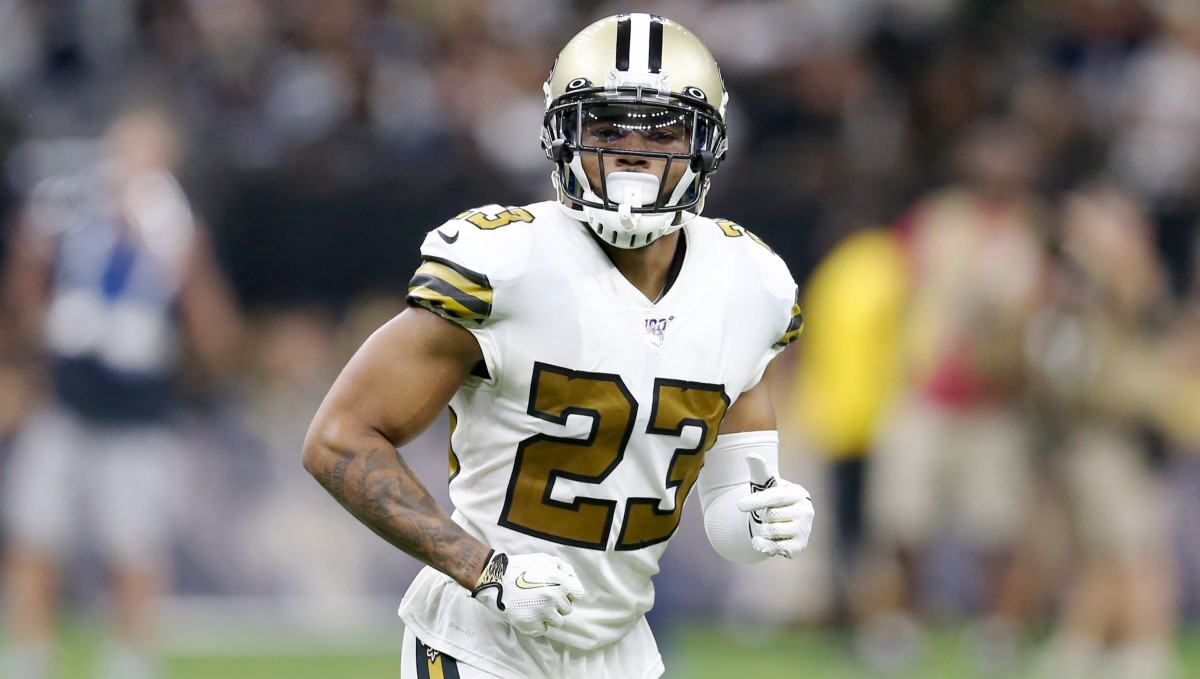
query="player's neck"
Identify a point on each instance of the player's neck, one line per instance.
(647, 268)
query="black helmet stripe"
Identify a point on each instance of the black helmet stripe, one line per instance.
(623, 33)
(656, 45)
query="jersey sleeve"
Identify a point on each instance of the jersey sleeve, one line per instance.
(787, 320)
(467, 261)
(452, 291)
(781, 297)
(468, 264)
(795, 325)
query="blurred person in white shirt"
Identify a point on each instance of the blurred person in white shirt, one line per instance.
(111, 283)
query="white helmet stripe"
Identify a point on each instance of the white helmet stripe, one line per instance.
(639, 43)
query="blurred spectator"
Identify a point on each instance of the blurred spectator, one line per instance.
(1096, 47)
(1177, 398)
(111, 284)
(954, 454)
(1095, 350)
(1156, 151)
(844, 380)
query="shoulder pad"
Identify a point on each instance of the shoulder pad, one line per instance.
(491, 217)
(735, 230)
(466, 259)
(762, 257)
(775, 277)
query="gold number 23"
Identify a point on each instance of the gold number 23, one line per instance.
(555, 394)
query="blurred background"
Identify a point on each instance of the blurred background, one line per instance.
(991, 207)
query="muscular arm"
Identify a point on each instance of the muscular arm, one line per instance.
(754, 410)
(389, 392)
(725, 480)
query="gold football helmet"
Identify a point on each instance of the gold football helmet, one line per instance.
(644, 76)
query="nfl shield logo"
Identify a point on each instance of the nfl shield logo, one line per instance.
(655, 329)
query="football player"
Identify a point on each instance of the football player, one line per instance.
(600, 354)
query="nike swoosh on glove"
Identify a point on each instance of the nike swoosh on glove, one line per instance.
(530, 592)
(781, 512)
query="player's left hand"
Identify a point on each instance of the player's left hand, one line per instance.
(781, 512)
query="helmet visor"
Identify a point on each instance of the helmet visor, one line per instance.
(638, 128)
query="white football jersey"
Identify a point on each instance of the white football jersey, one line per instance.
(588, 431)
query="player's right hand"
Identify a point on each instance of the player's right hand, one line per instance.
(531, 592)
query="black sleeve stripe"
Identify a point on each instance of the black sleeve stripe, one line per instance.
(445, 300)
(473, 276)
(789, 338)
(435, 306)
(451, 291)
(795, 326)
(797, 321)
(423, 284)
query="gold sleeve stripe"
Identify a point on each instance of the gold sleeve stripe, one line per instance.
(457, 274)
(450, 290)
(443, 298)
(795, 327)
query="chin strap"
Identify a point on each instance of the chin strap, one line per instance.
(622, 227)
(625, 212)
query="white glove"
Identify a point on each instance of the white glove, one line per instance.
(781, 512)
(531, 592)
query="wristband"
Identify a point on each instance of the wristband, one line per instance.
(493, 576)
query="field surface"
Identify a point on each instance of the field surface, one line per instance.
(701, 651)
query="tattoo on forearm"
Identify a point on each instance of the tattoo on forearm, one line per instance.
(380, 489)
(335, 477)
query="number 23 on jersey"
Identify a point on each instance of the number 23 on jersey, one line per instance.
(555, 394)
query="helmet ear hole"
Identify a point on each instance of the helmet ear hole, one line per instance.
(559, 151)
